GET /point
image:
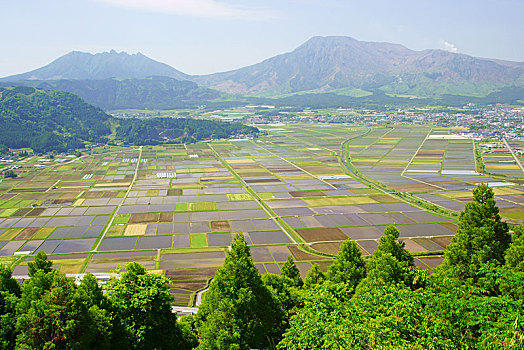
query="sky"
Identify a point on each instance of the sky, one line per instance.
(208, 36)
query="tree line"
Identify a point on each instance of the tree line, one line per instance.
(47, 120)
(474, 300)
(154, 131)
(57, 121)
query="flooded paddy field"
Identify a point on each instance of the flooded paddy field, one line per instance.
(176, 208)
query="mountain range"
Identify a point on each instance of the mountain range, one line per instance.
(112, 64)
(323, 65)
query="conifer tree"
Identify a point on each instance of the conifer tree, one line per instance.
(348, 267)
(238, 311)
(481, 237)
(389, 243)
(290, 270)
(515, 252)
(314, 277)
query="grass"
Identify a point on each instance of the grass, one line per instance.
(182, 206)
(202, 206)
(121, 219)
(505, 191)
(10, 234)
(198, 240)
(8, 212)
(516, 216)
(43, 233)
(452, 195)
(239, 196)
(152, 193)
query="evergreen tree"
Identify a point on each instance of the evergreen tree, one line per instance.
(141, 302)
(39, 264)
(348, 266)
(290, 270)
(238, 311)
(7, 282)
(481, 237)
(314, 277)
(515, 253)
(63, 318)
(9, 293)
(286, 294)
(389, 243)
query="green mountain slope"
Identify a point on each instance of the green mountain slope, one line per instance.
(48, 120)
(151, 93)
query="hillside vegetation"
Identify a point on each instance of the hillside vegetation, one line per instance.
(47, 120)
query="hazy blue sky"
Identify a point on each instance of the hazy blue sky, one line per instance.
(205, 36)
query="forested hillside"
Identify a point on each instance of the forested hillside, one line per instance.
(475, 300)
(147, 93)
(178, 130)
(46, 120)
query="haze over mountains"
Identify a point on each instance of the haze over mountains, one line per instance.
(328, 63)
(336, 65)
(83, 65)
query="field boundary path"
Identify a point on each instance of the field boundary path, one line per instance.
(115, 212)
(257, 198)
(514, 155)
(296, 166)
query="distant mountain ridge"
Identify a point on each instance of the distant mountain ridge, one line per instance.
(105, 65)
(335, 64)
(330, 63)
(148, 93)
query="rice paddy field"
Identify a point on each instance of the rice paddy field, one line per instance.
(175, 208)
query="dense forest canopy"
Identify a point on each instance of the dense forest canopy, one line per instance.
(147, 93)
(180, 130)
(47, 120)
(475, 300)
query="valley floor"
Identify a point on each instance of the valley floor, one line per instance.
(301, 190)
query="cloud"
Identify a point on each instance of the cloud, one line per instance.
(197, 8)
(444, 45)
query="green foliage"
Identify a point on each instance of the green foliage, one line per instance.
(183, 130)
(238, 311)
(314, 277)
(47, 120)
(385, 268)
(320, 324)
(389, 244)
(63, 317)
(481, 237)
(142, 304)
(188, 329)
(9, 293)
(515, 253)
(7, 283)
(348, 266)
(39, 264)
(465, 318)
(8, 319)
(287, 295)
(290, 270)
(9, 174)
